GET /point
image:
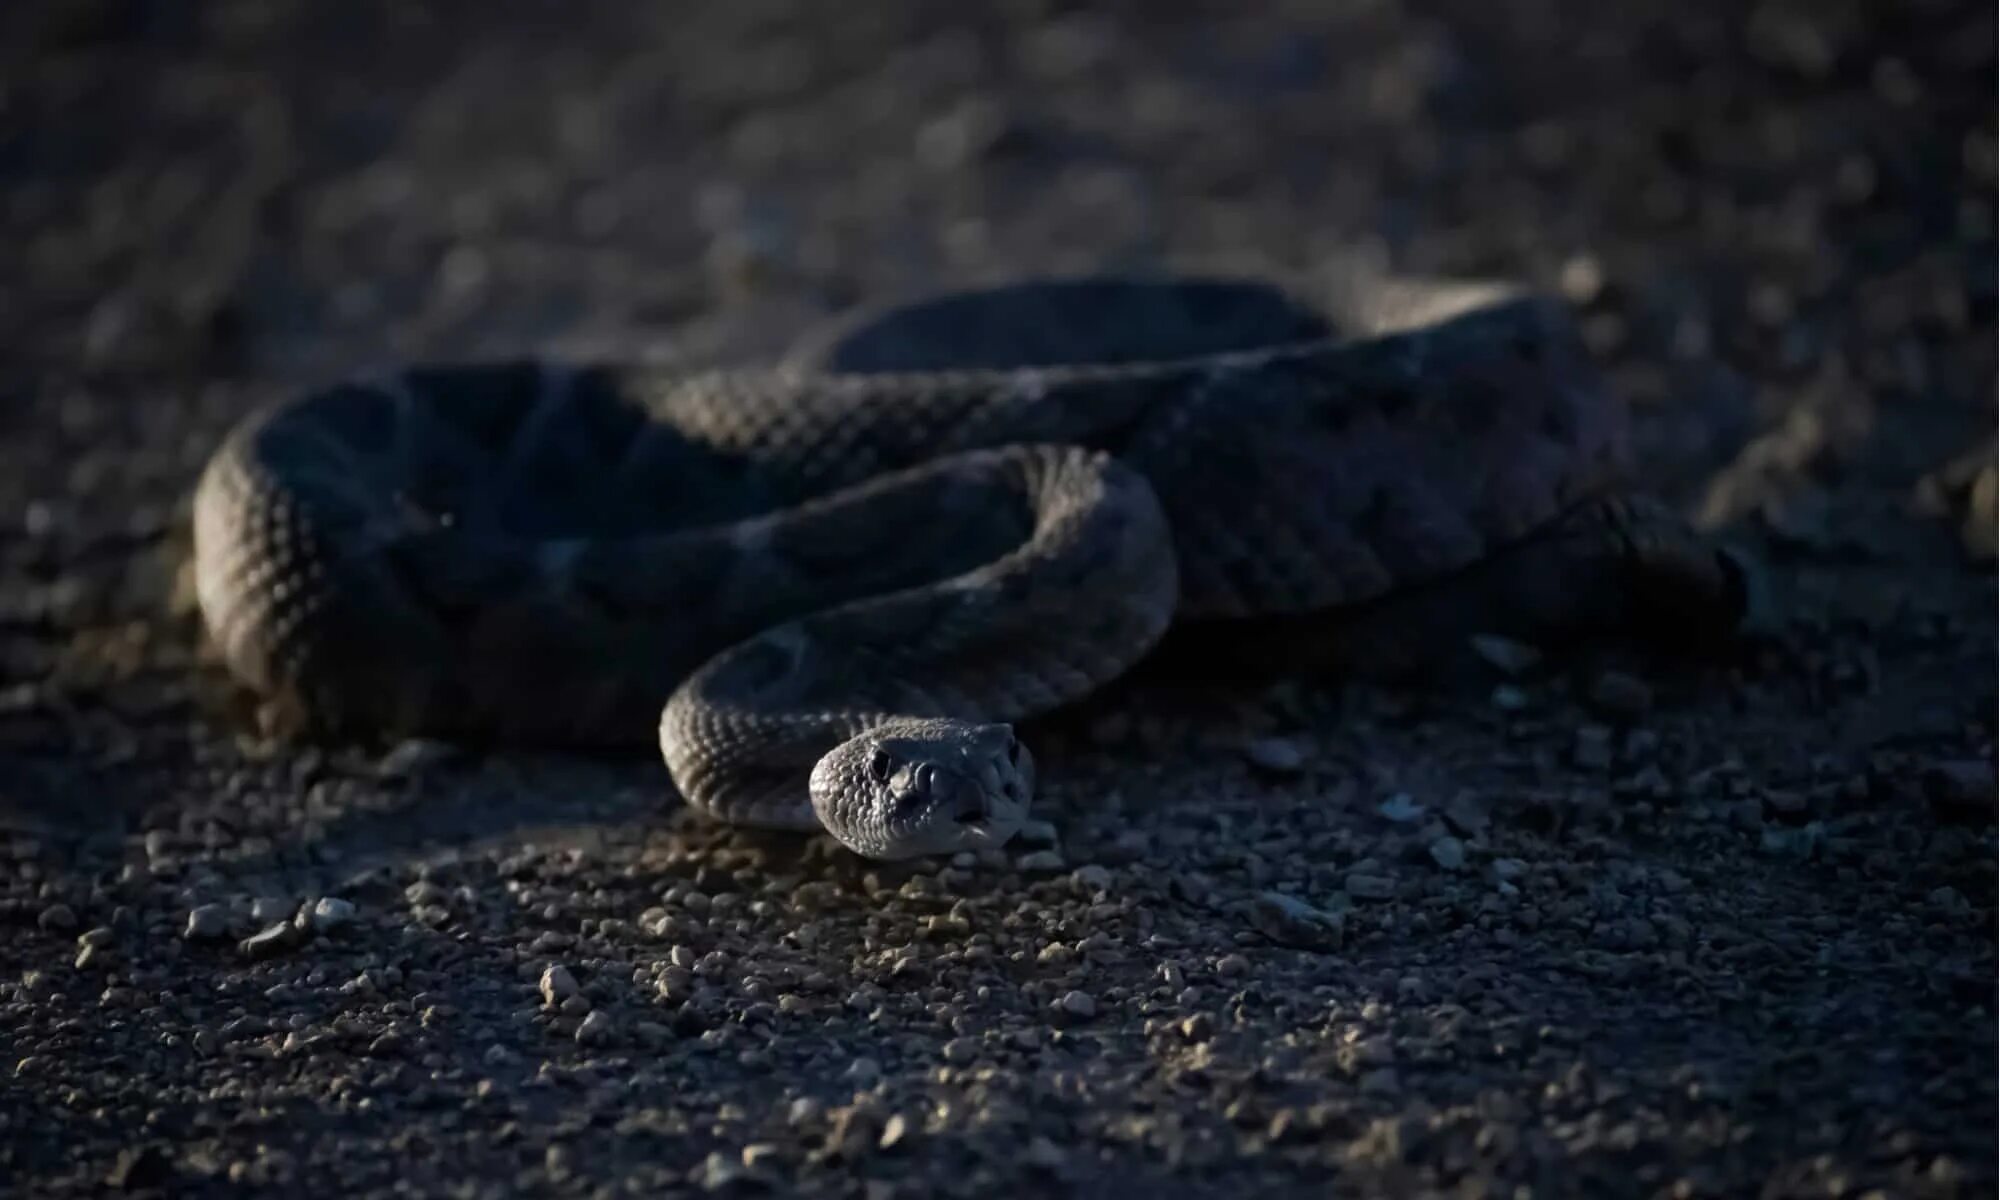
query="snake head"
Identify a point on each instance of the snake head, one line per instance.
(910, 788)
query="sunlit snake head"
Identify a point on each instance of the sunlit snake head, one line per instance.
(911, 788)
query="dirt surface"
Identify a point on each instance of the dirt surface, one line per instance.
(1610, 931)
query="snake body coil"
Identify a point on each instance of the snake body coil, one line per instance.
(843, 578)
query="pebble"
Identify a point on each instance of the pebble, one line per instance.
(1581, 279)
(273, 939)
(1618, 694)
(425, 893)
(557, 985)
(1448, 852)
(1035, 833)
(961, 1050)
(1592, 749)
(652, 1033)
(863, 1072)
(1798, 844)
(1372, 1051)
(1508, 698)
(1043, 1155)
(594, 1029)
(415, 757)
(1401, 809)
(1364, 885)
(332, 913)
(894, 1131)
(1092, 878)
(719, 1172)
(207, 923)
(1948, 898)
(1293, 922)
(266, 909)
(1077, 1004)
(1747, 814)
(1783, 802)
(1506, 655)
(57, 918)
(1128, 847)
(1046, 862)
(1467, 815)
(140, 1168)
(1280, 756)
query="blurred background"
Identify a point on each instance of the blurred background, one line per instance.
(1777, 217)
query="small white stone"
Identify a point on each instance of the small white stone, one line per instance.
(331, 913)
(593, 1029)
(209, 922)
(557, 985)
(961, 1050)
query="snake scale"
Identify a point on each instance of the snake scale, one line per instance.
(830, 587)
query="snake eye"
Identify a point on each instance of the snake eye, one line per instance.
(880, 765)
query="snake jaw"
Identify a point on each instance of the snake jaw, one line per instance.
(912, 788)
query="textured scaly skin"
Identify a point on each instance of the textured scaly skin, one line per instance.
(782, 559)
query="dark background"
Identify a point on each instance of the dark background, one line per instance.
(1751, 950)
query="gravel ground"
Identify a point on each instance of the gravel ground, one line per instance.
(1619, 930)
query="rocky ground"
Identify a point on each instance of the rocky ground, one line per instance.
(1633, 931)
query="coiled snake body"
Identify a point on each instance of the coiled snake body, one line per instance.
(846, 576)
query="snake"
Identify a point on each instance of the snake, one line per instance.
(831, 586)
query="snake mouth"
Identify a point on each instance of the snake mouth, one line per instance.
(975, 817)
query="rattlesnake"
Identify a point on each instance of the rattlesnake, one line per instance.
(845, 577)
